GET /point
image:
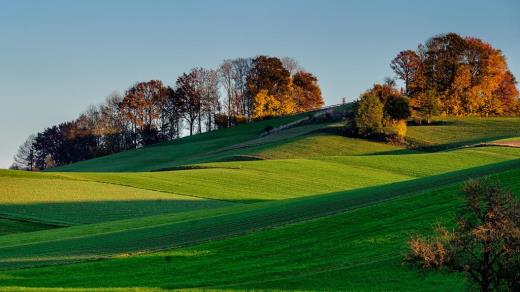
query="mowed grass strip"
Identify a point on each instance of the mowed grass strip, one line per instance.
(194, 230)
(323, 144)
(357, 250)
(51, 198)
(455, 132)
(252, 181)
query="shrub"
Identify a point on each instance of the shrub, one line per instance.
(397, 107)
(369, 115)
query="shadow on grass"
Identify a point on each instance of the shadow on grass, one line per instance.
(71, 213)
(235, 221)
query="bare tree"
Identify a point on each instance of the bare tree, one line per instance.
(241, 69)
(226, 79)
(291, 65)
(210, 96)
(25, 156)
(188, 93)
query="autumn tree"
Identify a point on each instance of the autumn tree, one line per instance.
(428, 105)
(268, 81)
(267, 105)
(268, 73)
(469, 75)
(306, 91)
(141, 106)
(397, 107)
(369, 115)
(406, 65)
(485, 244)
(113, 125)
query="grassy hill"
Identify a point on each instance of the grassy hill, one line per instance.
(359, 249)
(238, 209)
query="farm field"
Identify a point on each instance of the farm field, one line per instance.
(286, 257)
(252, 211)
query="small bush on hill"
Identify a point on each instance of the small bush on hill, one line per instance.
(369, 115)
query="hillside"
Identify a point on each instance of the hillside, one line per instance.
(241, 209)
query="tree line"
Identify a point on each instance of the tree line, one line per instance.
(449, 75)
(239, 91)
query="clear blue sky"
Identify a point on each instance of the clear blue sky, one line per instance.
(57, 57)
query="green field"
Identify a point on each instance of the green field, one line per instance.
(304, 208)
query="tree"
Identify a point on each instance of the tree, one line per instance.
(242, 99)
(291, 65)
(114, 126)
(306, 91)
(369, 115)
(189, 95)
(226, 79)
(485, 244)
(209, 95)
(469, 75)
(172, 114)
(25, 156)
(428, 105)
(266, 106)
(397, 107)
(268, 73)
(141, 106)
(406, 65)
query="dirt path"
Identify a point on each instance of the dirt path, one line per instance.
(515, 144)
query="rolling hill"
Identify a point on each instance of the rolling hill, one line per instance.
(301, 207)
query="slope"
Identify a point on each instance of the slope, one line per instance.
(148, 234)
(357, 250)
(55, 199)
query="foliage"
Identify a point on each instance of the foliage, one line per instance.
(406, 66)
(400, 129)
(397, 107)
(369, 115)
(150, 112)
(486, 243)
(428, 104)
(266, 105)
(469, 75)
(306, 92)
(268, 73)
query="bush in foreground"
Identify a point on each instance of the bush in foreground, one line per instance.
(485, 244)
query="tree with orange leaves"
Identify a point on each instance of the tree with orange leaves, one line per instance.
(485, 245)
(141, 106)
(306, 91)
(469, 75)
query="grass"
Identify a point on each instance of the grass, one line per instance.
(251, 181)
(247, 139)
(314, 211)
(92, 242)
(358, 250)
(195, 149)
(311, 146)
(9, 226)
(79, 198)
(56, 199)
(456, 132)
